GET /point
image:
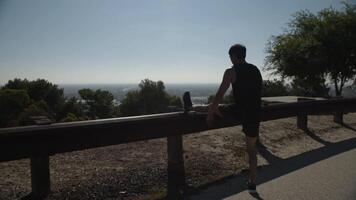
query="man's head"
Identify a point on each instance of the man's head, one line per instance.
(237, 53)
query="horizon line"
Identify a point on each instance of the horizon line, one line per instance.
(177, 83)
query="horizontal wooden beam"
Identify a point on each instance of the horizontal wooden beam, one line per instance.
(42, 140)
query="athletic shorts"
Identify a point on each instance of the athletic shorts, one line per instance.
(250, 120)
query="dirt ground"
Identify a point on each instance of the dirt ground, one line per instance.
(138, 170)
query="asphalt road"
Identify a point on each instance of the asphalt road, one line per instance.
(332, 178)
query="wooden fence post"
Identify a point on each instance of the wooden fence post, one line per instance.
(302, 117)
(338, 115)
(175, 171)
(40, 178)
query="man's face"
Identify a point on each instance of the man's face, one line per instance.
(233, 59)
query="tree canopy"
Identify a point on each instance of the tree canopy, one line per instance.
(98, 103)
(151, 97)
(272, 88)
(39, 90)
(12, 104)
(20, 99)
(318, 47)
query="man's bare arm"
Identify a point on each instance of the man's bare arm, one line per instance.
(227, 78)
(213, 108)
(222, 89)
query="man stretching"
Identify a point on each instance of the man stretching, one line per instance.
(246, 84)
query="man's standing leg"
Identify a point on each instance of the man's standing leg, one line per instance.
(252, 157)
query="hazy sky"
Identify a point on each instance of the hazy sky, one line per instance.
(114, 41)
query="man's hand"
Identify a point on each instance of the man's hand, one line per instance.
(211, 115)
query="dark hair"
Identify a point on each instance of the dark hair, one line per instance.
(238, 50)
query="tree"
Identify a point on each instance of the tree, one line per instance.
(309, 87)
(175, 101)
(71, 106)
(151, 97)
(71, 117)
(40, 96)
(103, 104)
(131, 104)
(274, 87)
(318, 46)
(98, 103)
(34, 109)
(17, 84)
(12, 104)
(40, 90)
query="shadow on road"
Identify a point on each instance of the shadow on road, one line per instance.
(277, 167)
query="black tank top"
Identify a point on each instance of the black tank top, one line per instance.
(247, 91)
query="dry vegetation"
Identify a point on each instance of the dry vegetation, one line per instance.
(138, 170)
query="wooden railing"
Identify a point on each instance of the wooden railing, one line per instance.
(38, 142)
